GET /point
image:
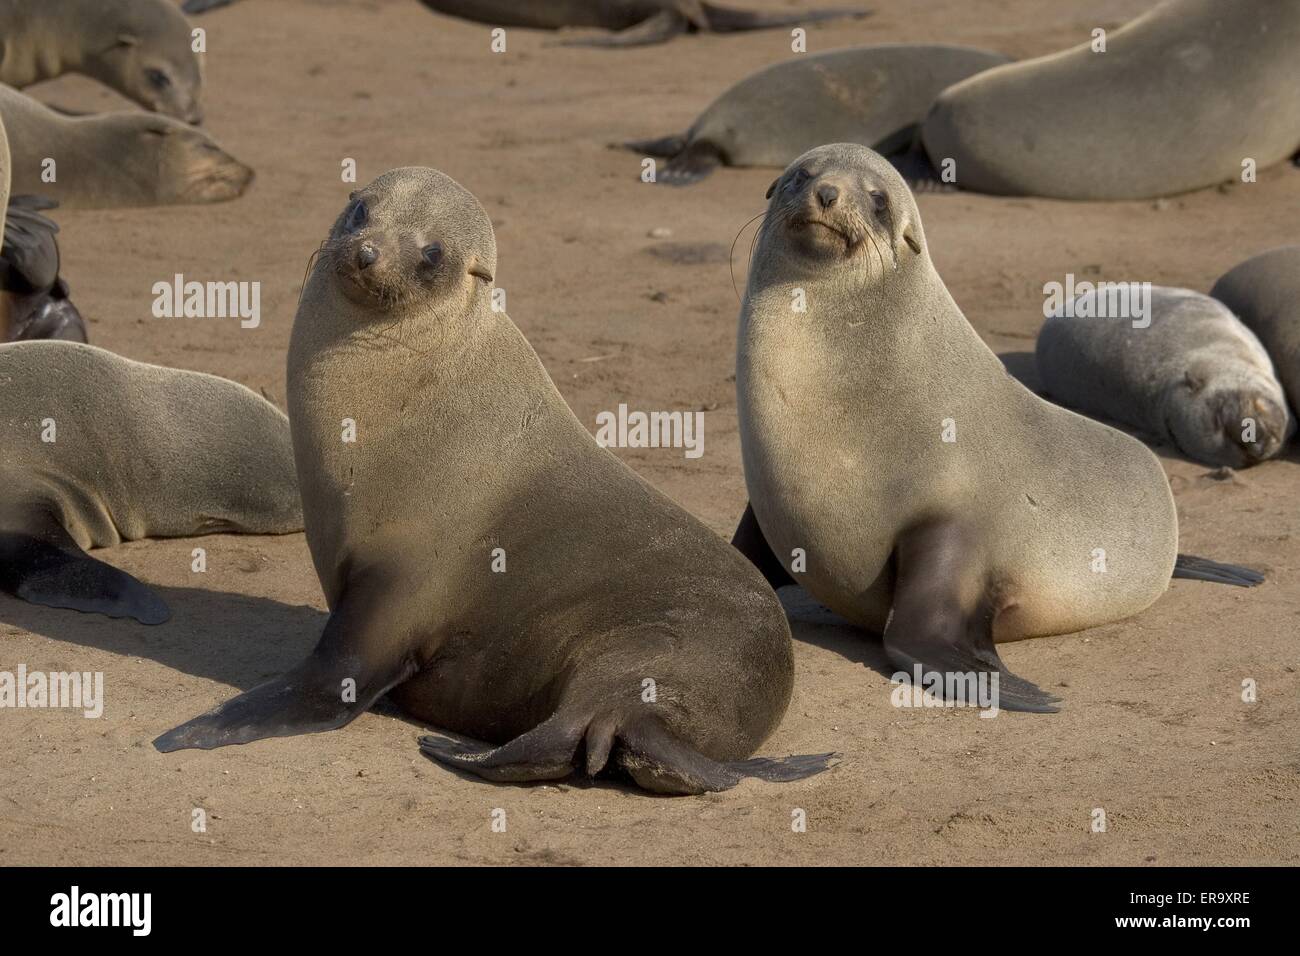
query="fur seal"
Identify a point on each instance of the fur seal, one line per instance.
(1181, 97)
(116, 159)
(873, 95)
(1264, 292)
(141, 48)
(467, 455)
(1195, 377)
(635, 22)
(934, 496)
(100, 450)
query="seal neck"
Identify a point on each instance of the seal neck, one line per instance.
(36, 46)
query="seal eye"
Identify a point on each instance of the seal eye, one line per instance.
(879, 201)
(800, 177)
(157, 78)
(358, 216)
(432, 254)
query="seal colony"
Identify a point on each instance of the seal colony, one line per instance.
(964, 510)
(101, 450)
(642, 642)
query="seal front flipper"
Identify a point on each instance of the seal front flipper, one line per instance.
(731, 20)
(688, 162)
(1203, 569)
(660, 28)
(936, 627)
(349, 670)
(41, 563)
(749, 541)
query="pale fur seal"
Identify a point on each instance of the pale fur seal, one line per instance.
(100, 450)
(1181, 97)
(116, 159)
(873, 95)
(615, 627)
(1031, 520)
(635, 22)
(1264, 292)
(1195, 377)
(140, 48)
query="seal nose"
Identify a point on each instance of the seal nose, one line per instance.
(367, 255)
(827, 195)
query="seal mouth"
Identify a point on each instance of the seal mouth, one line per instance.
(852, 239)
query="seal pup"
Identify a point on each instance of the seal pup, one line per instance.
(1195, 377)
(483, 558)
(100, 450)
(932, 495)
(116, 159)
(873, 95)
(140, 48)
(635, 22)
(1181, 97)
(1264, 292)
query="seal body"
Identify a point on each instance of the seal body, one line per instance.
(100, 450)
(116, 159)
(1264, 292)
(907, 481)
(481, 555)
(1179, 99)
(873, 95)
(140, 48)
(1195, 376)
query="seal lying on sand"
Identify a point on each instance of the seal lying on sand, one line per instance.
(116, 159)
(1264, 292)
(141, 48)
(100, 450)
(483, 558)
(1195, 377)
(930, 494)
(1181, 97)
(636, 22)
(873, 95)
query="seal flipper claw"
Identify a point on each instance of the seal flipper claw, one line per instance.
(749, 541)
(1203, 569)
(931, 629)
(41, 563)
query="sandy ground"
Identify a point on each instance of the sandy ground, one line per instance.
(1153, 732)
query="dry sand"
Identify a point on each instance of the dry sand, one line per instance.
(1154, 730)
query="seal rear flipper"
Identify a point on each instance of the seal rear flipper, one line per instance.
(337, 683)
(192, 7)
(41, 563)
(930, 628)
(1203, 569)
(749, 541)
(731, 20)
(660, 28)
(665, 147)
(914, 165)
(547, 752)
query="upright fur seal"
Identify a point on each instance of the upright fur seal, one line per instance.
(931, 494)
(636, 22)
(141, 48)
(116, 159)
(482, 557)
(100, 450)
(1195, 377)
(1264, 292)
(873, 95)
(1180, 98)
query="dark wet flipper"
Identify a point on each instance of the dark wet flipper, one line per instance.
(750, 542)
(547, 752)
(41, 563)
(1203, 569)
(914, 165)
(665, 147)
(784, 769)
(660, 28)
(695, 162)
(191, 7)
(730, 20)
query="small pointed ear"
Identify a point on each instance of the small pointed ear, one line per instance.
(126, 39)
(481, 271)
(772, 188)
(1193, 382)
(911, 241)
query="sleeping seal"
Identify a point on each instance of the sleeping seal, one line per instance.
(1181, 97)
(483, 558)
(873, 95)
(1264, 292)
(141, 48)
(101, 450)
(636, 22)
(1195, 377)
(932, 495)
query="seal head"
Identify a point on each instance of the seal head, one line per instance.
(150, 59)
